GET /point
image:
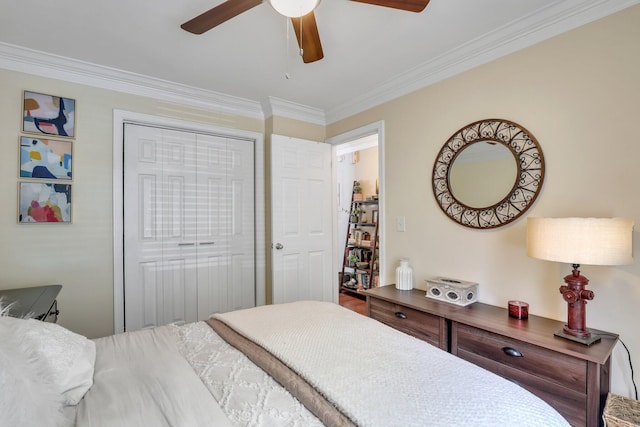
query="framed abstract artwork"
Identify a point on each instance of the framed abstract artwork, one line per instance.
(45, 158)
(44, 202)
(48, 114)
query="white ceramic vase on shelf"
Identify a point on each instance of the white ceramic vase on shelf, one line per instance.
(404, 276)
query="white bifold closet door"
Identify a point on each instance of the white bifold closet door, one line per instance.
(189, 215)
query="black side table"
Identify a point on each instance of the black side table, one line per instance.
(38, 302)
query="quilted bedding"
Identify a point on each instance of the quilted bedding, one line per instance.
(377, 376)
(348, 369)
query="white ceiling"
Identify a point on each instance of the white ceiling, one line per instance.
(372, 53)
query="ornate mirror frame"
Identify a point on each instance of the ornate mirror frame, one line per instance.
(525, 190)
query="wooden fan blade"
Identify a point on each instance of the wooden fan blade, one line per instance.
(219, 14)
(310, 45)
(408, 5)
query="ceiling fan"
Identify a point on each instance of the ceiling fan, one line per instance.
(304, 21)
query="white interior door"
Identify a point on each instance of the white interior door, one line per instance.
(301, 220)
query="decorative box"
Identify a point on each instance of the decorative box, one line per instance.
(454, 291)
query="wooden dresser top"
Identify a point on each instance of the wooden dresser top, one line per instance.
(535, 330)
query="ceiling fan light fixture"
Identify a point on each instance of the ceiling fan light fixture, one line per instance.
(294, 8)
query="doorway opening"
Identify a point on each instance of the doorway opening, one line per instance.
(358, 156)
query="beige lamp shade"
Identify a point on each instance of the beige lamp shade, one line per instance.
(589, 241)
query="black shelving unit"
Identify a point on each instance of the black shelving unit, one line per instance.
(362, 241)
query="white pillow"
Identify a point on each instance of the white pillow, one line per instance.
(67, 357)
(28, 397)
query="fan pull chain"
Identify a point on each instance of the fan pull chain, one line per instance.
(301, 44)
(287, 75)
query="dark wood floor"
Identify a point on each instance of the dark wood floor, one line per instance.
(352, 302)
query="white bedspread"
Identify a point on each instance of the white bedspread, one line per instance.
(141, 379)
(380, 377)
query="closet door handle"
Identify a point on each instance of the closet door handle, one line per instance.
(207, 243)
(279, 246)
(186, 244)
(400, 315)
(512, 352)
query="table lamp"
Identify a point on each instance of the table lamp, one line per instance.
(591, 241)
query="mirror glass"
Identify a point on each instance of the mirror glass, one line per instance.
(482, 174)
(488, 173)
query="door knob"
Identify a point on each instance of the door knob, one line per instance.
(279, 246)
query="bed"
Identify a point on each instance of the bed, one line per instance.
(298, 364)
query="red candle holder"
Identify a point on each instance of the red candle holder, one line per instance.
(518, 309)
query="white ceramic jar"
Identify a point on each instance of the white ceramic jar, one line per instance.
(404, 276)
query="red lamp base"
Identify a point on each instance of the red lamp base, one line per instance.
(576, 296)
(591, 339)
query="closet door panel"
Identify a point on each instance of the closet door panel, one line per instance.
(212, 197)
(179, 187)
(242, 223)
(150, 303)
(179, 227)
(212, 290)
(213, 224)
(226, 224)
(143, 233)
(210, 215)
(175, 291)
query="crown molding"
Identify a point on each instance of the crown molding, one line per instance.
(557, 18)
(44, 64)
(550, 21)
(273, 106)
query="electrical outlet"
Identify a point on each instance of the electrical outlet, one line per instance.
(400, 223)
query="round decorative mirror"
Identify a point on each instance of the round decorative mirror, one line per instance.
(488, 173)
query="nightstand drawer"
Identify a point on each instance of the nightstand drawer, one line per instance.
(552, 366)
(558, 379)
(424, 326)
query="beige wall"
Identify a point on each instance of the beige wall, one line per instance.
(578, 94)
(80, 255)
(366, 170)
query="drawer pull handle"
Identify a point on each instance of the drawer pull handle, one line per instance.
(401, 315)
(512, 352)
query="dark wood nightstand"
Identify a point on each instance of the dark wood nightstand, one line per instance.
(38, 302)
(571, 377)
